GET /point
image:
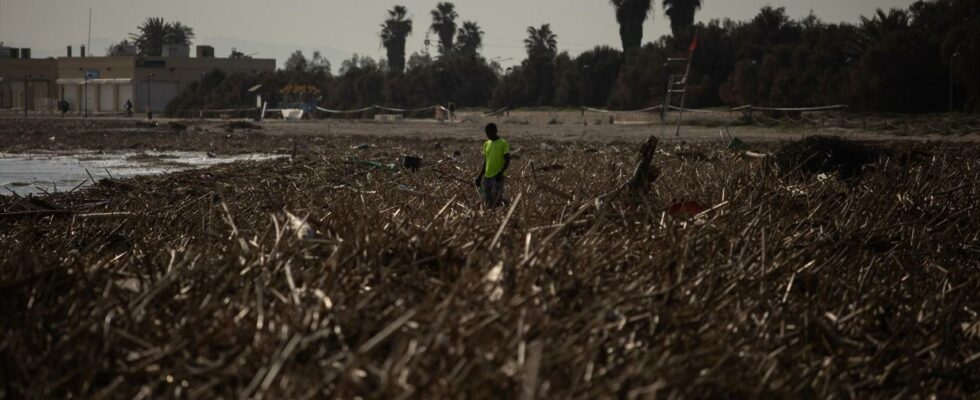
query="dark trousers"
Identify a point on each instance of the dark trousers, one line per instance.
(492, 190)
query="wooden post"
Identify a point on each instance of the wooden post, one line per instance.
(645, 172)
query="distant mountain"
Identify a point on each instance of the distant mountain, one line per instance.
(223, 45)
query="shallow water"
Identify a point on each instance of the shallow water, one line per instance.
(25, 173)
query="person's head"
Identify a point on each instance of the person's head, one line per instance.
(491, 131)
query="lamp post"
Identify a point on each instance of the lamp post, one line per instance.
(583, 96)
(1, 92)
(149, 96)
(507, 76)
(951, 61)
(84, 91)
(27, 79)
(499, 60)
(200, 90)
(666, 101)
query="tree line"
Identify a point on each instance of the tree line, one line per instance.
(897, 60)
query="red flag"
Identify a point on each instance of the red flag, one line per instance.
(694, 45)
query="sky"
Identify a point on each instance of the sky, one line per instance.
(339, 28)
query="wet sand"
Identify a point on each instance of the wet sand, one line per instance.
(285, 137)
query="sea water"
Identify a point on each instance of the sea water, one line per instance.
(39, 172)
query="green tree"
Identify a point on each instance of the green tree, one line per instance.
(319, 64)
(178, 33)
(567, 81)
(360, 84)
(151, 37)
(631, 14)
(541, 42)
(882, 23)
(469, 39)
(154, 33)
(394, 32)
(539, 67)
(598, 70)
(296, 62)
(642, 78)
(512, 91)
(357, 61)
(112, 47)
(772, 26)
(419, 60)
(681, 14)
(444, 25)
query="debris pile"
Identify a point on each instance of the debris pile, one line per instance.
(318, 277)
(242, 125)
(826, 154)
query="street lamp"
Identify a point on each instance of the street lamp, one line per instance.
(200, 91)
(499, 60)
(149, 95)
(583, 95)
(27, 79)
(84, 90)
(951, 61)
(1, 92)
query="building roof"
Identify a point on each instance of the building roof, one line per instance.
(101, 81)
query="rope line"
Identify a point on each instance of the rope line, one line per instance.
(497, 112)
(604, 111)
(357, 111)
(760, 119)
(823, 108)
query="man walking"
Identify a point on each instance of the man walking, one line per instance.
(496, 160)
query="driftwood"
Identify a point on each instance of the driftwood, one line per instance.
(34, 213)
(786, 286)
(644, 174)
(45, 213)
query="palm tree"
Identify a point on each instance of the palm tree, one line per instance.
(541, 42)
(772, 26)
(884, 23)
(155, 32)
(631, 14)
(178, 33)
(469, 39)
(444, 25)
(681, 14)
(394, 31)
(151, 37)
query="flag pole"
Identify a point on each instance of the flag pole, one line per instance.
(89, 41)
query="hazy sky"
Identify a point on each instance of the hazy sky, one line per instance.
(273, 28)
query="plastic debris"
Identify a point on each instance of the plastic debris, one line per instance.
(686, 209)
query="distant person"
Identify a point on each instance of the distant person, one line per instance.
(496, 160)
(452, 112)
(129, 108)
